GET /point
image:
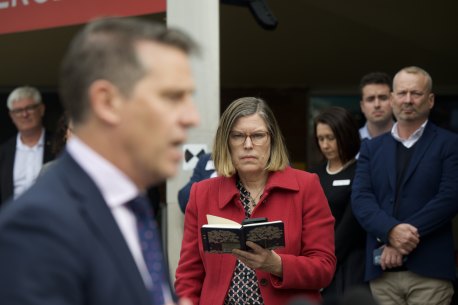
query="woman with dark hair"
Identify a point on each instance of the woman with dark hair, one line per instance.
(254, 180)
(62, 134)
(337, 136)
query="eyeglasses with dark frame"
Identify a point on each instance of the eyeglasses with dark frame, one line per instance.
(257, 138)
(29, 109)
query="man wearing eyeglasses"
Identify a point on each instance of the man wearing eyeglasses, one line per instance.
(22, 156)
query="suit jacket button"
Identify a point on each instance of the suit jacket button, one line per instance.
(263, 282)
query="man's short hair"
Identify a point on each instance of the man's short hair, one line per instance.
(418, 70)
(375, 78)
(106, 49)
(22, 93)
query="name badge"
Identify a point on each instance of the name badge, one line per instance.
(341, 182)
(210, 165)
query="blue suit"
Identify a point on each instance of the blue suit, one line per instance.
(204, 169)
(59, 244)
(429, 199)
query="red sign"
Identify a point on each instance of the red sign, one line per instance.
(25, 15)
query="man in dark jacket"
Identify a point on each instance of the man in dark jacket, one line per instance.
(22, 156)
(405, 194)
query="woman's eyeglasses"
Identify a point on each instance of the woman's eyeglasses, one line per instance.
(257, 138)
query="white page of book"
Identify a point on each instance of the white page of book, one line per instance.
(212, 219)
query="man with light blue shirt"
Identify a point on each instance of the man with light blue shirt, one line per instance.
(405, 194)
(375, 104)
(84, 233)
(22, 156)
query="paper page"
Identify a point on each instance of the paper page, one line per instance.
(212, 219)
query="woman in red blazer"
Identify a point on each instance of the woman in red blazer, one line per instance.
(256, 181)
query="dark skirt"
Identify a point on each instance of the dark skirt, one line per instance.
(349, 273)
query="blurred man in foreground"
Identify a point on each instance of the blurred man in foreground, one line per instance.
(83, 234)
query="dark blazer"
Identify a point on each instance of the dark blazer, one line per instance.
(429, 199)
(202, 171)
(61, 245)
(7, 155)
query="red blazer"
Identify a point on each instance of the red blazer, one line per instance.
(308, 260)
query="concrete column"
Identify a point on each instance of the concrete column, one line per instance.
(200, 19)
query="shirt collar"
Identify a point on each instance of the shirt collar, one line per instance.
(414, 137)
(364, 132)
(115, 186)
(20, 145)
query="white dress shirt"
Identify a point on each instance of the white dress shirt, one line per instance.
(117, 189)
(414, 137)
(27, 164)
(364, 132)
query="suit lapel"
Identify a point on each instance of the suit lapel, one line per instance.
(47, 151)
(389, 150)
(100, 221)
(7, 169)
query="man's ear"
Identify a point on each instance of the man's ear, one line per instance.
(105, 101)
(431, 99)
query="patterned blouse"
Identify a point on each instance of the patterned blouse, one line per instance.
(244, 287)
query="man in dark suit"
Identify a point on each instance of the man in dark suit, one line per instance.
(405, 194)
(83, 234)
(22, 156)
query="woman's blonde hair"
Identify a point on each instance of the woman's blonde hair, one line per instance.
(243, 107)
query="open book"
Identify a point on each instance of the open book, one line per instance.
(221, 235)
